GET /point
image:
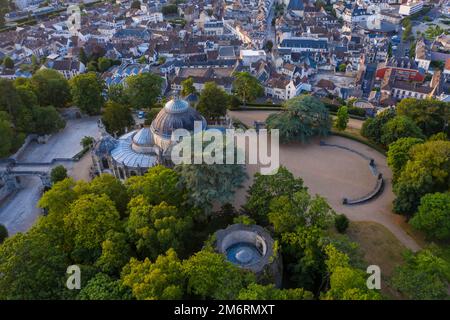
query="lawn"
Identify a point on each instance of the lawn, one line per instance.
(379, 247)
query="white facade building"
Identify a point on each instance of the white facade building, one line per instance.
(410, 8)
(251, 56)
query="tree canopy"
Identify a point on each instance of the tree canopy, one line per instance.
(86, 90)
(246, 87)
(302, 118)
(267, 187)
(210, 275)
(143, 89)
(188, 87)
(427, 171)
(58, 173)
(399, 127)
(433, 216)
(424, 276)
(372, 127)
(161, 280)
(429, 115)
(116, 118)
(51, 88)
(398, 154)
(213, 102)
(342, 118)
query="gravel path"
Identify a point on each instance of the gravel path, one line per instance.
(335, 173)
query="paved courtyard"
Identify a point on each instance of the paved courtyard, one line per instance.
(19, 212)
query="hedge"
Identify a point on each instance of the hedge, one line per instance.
(80, 154)
(358, 139)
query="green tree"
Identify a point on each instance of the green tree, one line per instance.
(159, 184)
(427, 171)
(136, 4)
(82, 56)
(440, 136)
(267, 187)
(372, 127)
(117, 118)
(169, 9)
(188, 87)
(8, 63)
(433, 216)
(398, 154)
(92, 66)
(116, 253)
(302, 118)
(87, 142)
(47, 120)
(117, 93)
(108, 185)
(210, 183)
(341, 223)
(142, 59)
(87, 223)
(161, 60)
(303, 257)
(346, 282)
(32, 267)
(424, 276)
(57, 200)
(156, 228)
(269, 292)
(342, 118)
(3, 233)
(86, 90)
(210, 275)
(289, 212)
(6, 137)
(269, 45)
(58, 173)
(103, 287)
(246, 87)
(143, 89)
(212, 103)
(103, 64)
(9, 98)
(399, 127)
(432, 116)
(51, 88)
(433, 31)
(161, 280)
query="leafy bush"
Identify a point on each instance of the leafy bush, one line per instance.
(58, 173)
(3, 233)
(341, 223)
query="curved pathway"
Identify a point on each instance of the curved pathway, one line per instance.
(334, 173)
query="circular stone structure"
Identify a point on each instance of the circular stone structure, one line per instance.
(251, 247)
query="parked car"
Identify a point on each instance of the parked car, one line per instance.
(141, 114)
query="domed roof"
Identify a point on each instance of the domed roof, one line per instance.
(176, 114)
(176, 106)
(144, 138)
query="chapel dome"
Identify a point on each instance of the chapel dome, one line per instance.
(143, 141)
(144, 138)
(176, 114)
